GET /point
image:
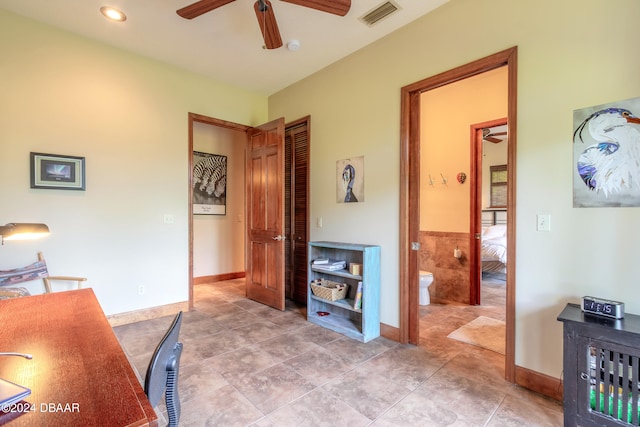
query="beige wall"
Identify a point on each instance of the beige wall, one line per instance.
(127, 116)
(571, 54)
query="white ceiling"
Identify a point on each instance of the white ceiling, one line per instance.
(226, 43)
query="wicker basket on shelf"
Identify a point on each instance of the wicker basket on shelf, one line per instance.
(326, 289)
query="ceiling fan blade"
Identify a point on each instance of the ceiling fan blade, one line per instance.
(337, 7)
(268, 24)
(201, 7)
(491, 139)
(499, 133)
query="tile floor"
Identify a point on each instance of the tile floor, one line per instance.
(245, 364)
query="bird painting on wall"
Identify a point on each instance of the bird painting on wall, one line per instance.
(607, 156)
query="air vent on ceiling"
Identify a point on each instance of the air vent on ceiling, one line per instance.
(379, 13)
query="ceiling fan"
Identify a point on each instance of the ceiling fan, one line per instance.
(265, 15)
(487, 135)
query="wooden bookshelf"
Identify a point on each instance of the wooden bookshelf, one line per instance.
(360, 324)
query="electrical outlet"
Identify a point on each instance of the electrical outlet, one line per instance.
(169, 219)
(140, 289)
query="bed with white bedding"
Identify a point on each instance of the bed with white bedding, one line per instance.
(494, 248)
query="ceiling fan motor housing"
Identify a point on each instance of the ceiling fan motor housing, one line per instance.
(265, 15)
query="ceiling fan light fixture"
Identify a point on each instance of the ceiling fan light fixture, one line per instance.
(113, 14)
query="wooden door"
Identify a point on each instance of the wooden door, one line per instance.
(475, 231)
(297, 209)
(265, 214)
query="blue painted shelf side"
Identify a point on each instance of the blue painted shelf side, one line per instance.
(360, 324)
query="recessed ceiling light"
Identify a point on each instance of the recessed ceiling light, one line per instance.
(113, 14)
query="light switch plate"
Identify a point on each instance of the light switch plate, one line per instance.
(544, 222)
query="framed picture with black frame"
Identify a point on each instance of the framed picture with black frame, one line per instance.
(54, 171)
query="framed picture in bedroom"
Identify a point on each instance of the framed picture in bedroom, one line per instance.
(55, 171)
(209, 182)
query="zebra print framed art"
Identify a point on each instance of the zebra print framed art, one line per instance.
(53, 171)
(209, 183)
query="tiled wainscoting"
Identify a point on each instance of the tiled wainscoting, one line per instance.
(450, 275)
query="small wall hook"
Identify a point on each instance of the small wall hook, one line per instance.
(444, 180)
(430, 180)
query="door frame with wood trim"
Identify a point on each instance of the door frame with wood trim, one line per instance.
(410, 193)
(198, 118)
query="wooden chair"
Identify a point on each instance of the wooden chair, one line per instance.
(36, 271)
(46, 279)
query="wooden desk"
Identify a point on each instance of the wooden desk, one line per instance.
(79, 374)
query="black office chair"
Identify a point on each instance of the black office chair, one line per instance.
(162, 372)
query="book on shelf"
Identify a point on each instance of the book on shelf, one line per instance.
(331, 265)
(357, 301)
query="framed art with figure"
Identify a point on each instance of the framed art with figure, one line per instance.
(350, 180)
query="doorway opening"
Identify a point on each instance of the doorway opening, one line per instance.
(295, 202)
(410, 194)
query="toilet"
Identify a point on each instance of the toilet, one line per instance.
(426, 278)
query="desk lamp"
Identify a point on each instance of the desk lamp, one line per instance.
(11, 393)
(22, 231)
(11, 353)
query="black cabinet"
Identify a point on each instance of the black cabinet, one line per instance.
(601, 366)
